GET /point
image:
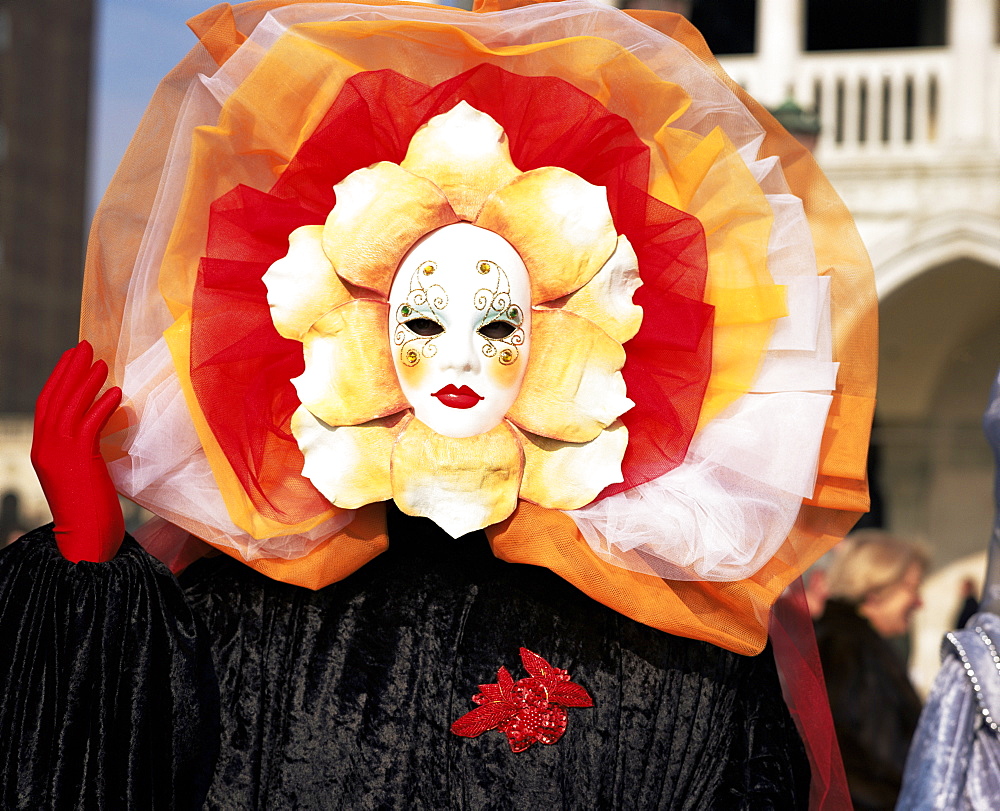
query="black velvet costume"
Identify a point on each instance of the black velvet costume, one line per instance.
(343, 697)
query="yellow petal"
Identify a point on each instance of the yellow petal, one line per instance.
(560, 225)
(302, 285)
(607, 298)
(349, 377)
(569, 475)
(465, 153)
(348, 464)
(380, 212)
(573, 388)
(460, 484)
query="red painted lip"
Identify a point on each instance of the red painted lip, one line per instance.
(457, 398)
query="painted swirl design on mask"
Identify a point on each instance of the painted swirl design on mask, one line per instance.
(501, 324)
(418, 319)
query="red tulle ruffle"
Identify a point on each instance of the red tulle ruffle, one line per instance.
(241, 368)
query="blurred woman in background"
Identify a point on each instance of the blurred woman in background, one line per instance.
(874, 588)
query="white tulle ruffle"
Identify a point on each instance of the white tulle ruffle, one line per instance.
(723, 513)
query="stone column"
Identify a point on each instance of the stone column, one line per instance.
(973, 81)
(780, 40)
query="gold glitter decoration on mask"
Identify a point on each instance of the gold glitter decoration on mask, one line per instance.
(485, 267)
(428, 268)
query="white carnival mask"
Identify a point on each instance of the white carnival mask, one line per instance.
(460, 328)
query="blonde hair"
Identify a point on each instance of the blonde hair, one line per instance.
(869, 561)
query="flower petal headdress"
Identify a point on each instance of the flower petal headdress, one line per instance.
(562, 442)
(679, 450)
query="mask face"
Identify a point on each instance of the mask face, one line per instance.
(460, 328)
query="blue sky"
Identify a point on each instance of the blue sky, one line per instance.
(136, 43)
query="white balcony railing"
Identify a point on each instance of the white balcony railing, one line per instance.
(880, 103)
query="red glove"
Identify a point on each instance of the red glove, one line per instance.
(66, 456)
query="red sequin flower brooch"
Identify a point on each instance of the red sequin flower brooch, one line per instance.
(529, 710)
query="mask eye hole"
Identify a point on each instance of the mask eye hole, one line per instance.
(497, 330)
(424, 327)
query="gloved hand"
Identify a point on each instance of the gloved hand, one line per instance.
(66, 456)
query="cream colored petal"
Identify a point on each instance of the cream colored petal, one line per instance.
(569, 475)
(573, 388)
(607, 298)
(349, 378)
(460, 484)
(348, 464)
(465, 153)
(560, 225)
(302, 285)
(380, 212)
